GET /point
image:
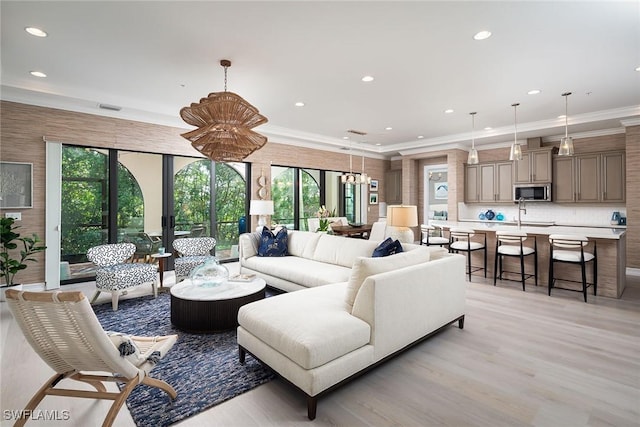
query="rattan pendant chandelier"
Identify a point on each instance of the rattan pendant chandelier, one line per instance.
(224, 121)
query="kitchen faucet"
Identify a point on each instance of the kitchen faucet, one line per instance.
(521, 207)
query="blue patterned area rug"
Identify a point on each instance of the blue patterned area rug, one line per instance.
(203, 368)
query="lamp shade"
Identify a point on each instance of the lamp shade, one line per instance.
(261, 207)
(382, 210)
(402, 216)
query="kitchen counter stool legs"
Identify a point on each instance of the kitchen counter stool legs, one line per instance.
(461, 241)
(510, 244)
(571, 251)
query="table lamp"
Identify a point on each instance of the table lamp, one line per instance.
(262, 208)
(402, 217)
(382, 212)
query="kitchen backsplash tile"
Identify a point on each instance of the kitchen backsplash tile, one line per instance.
(592, 216)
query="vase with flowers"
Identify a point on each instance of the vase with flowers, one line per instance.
(323, 215)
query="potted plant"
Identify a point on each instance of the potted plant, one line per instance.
(9, 243)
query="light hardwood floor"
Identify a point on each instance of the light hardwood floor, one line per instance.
(523, 359)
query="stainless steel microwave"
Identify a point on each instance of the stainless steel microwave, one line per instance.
(532, 192)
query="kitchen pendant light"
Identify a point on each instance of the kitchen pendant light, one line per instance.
(566, 143)
(516, 150)
(473, 154)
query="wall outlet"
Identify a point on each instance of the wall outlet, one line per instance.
(15, 215)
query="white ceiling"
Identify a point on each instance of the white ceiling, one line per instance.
(153, 58)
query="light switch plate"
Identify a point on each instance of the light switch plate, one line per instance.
(15, 215)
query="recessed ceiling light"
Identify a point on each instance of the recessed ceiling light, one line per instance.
(36, 32)
(420, 136)
(345, 137)
(533, 92)
(367, 79)
(299, 104)
(561, 116)
(482, 35)
(637, 68)
(388, 128)
(448, 111)
(38, 74)
(488, 128)
(377, 143)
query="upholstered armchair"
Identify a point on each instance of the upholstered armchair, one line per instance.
(115, 275)
(192, 251)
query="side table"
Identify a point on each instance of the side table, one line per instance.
(161, 258)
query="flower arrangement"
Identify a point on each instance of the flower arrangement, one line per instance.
(324, 214)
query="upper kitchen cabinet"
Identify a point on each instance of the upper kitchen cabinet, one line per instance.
(489, 182)
(613, 177)
(393, 187)
(589, 178)
(563, 184)
(471, 183)
(535, 167)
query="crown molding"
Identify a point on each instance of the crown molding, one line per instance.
(628, 116)
(589, 134)
(630, 122)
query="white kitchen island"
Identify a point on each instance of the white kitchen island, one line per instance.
(611, 251)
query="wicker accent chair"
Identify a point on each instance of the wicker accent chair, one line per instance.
(63, 329)
(115, 275)
(192, 251)
(145, 245)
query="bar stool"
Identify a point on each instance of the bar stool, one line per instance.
(572, 252)
(460, 241)
(510, 243)
(432, 235)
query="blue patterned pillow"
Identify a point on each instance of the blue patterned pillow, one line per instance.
(386, 248)
(271, 245)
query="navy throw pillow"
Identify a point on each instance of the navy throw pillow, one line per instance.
(386, 248)
(273, 245)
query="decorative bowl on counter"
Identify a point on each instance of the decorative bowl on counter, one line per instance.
(481, 216)
(489, 214)
(499, 217)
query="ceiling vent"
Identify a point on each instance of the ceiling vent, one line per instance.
(110, 107)
(357, 132)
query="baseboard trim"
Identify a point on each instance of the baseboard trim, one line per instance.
(34, 287)
(633, 271)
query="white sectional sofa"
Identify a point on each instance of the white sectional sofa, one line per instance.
(322, 336)
(314, 259)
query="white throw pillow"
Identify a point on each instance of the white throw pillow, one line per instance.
(364, 267)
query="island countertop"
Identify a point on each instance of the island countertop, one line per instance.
(610, 242)
(493, 226)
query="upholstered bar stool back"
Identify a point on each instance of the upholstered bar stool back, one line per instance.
(570, 249)
(511, 244)
(460, 240)
(433, 235)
